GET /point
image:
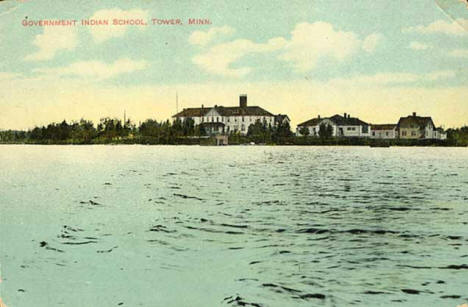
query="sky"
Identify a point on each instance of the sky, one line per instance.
(377, 60)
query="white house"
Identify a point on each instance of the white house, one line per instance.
(224, 120)
(342, 126)
(416, 127)
(386, 131)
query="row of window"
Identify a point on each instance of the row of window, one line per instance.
(213, 119)
(403, 133)
(365, 129)
(228, 128)
(380, 134)
(413, 133)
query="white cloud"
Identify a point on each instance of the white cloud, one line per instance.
(102, 33)
(217, 59)
(439, 75)
(456, 27)
(399, 78)
(202, 38)
(310, 42)
(370, 42)
(95, 69)
(459, 53)
(52, 40)
(419, 46)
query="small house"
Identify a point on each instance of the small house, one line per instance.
(341, 126)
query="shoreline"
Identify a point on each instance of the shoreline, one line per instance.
(242, 144)
(236, 140)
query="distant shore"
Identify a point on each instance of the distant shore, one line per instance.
(185, 132)
(242, 140)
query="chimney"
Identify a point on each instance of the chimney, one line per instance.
(345, 115)
(349, 115)
(202, 107)
(243, 101)
(319, 116)
(414, 114)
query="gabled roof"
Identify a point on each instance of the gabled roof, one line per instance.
(413, 121)
(192, 112)
(384, 127)
(347, 121)
(245, 111)
(225, 111)
(311, 122)
(337, 119)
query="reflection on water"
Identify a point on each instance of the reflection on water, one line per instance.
(233, 226)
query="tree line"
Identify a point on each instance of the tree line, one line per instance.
(325, 131)
(151, 131)
(458, 136)
(113, 130)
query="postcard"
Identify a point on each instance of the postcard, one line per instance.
(266, 153)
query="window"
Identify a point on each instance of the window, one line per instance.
(243, 127)
(386, 133)
(217, 119)
(242, 120)
(413, 133)
(403, 133)
(373, 133)
(365, 129)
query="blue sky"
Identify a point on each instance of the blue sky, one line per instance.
(374, 59)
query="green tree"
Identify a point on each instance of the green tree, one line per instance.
(83, 131)
(260, 132)
(458, 136)
(188, 127)
(325, 131)
(304, 131)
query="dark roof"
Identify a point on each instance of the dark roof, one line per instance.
(225, 111)
(311, 122)
(347, 121)
(192, 112)
(412, 120)
(246, 111)
(384, 127)
(337, 119)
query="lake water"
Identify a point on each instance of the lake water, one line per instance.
(233, 226)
